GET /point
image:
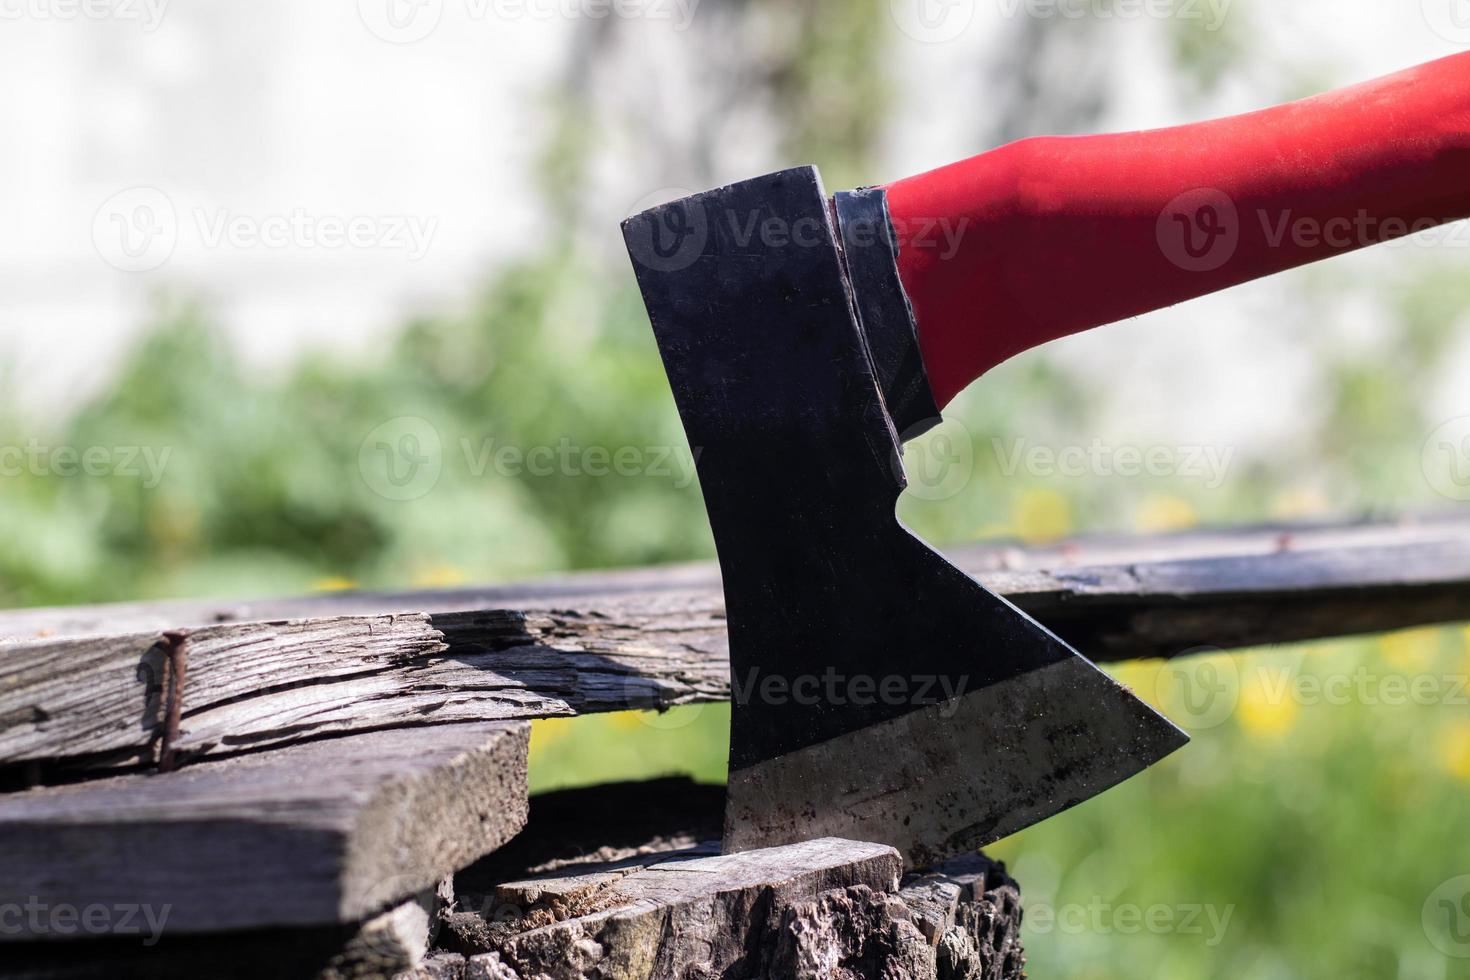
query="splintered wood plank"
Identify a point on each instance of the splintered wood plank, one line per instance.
(653, 638)
(98, 701)
(331, 831)
(104, 694)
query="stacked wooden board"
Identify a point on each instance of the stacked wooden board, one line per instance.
(341, 757)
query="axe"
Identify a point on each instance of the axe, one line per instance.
(879, 692)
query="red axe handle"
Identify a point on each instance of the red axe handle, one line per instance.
(1050, 236)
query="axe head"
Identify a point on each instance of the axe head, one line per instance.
(879, 692)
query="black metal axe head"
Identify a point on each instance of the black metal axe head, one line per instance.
(879, 692)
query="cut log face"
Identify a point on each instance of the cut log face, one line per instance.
(616, 921)
(817, 910)
(89, 693)
(333, 831)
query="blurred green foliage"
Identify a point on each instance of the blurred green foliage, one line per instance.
(264, 489)
(1322, 828)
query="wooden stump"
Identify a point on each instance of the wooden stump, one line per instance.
(653, 906)
(822, 910)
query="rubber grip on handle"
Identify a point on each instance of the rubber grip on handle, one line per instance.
(1050, 236)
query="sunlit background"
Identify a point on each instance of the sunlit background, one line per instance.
(244, 246)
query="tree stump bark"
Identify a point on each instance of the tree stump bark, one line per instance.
(654, 907)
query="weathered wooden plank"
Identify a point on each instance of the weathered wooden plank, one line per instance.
(331, 831)
(655, 638)
(1011, 569)
(387, 946)
(303, 953)
(104, 694)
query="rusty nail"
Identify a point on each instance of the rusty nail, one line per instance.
(176, 648)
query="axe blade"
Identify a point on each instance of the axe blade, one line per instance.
(879, 692)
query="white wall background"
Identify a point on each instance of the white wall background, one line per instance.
(276, 109)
